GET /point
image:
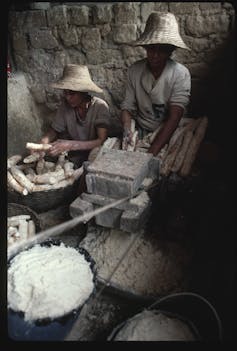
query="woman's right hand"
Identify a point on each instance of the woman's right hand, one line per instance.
(127, 138)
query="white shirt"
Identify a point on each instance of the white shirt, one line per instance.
(148, 98)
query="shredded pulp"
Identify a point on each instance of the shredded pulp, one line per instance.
(154, 326)
(48, 282)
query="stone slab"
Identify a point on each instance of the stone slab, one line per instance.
(115, 188)
(134, 204)
(126, 165)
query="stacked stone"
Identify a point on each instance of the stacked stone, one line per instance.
(116, 174)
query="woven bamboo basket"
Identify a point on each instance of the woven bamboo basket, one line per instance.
(42, 201)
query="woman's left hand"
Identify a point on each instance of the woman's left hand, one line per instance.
(60, 146)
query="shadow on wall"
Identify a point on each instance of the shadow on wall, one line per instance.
(213, 95)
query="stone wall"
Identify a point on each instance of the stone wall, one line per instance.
(44, 36)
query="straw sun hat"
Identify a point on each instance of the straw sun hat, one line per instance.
(77, 78)
(161, 28)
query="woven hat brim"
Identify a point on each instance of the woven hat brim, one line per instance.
(158, 39)
(77, 86)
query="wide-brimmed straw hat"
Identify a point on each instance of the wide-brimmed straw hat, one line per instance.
(161, 28)
(77, 78)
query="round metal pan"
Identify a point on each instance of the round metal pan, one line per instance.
(47, 329)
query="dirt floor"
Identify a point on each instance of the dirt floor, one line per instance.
(198, 215)
(184, 218)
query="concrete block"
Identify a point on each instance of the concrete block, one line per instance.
(133, 204)
(115, 188)
(126, 165)
(109, 218)
(132, 221)
(80, 207)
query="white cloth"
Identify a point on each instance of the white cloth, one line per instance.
(148, 99)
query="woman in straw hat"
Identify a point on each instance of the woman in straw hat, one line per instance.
(82, 120)
(158, 88)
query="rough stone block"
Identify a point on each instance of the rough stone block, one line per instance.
(19, 41)
(154, 168)
(35, 19)
(80, 207)
(40, 5)
(134, 204)
(43, 39)
(102, 14)
(117, 173)
(126, 12)
(91, 39)
(57, 16)
(132, 221)
(125, 164)
(109, 218)
(69, 37)
(124, 33)
(79, 15)
(115, 188)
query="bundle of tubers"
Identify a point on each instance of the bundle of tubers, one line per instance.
(19, 228)
(179, 154)
(37, 174)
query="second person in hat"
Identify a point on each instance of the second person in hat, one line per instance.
(158, 88)
(82, 120)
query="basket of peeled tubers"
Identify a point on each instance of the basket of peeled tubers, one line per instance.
(22, 223)
(40, 184)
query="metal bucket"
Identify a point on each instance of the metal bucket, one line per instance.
(193, 309)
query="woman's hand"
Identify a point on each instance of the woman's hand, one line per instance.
(60, 146)
(127, 138)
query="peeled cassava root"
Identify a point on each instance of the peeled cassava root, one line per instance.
(188, 139)
(19, 228)
(38, 147)
(39, 174)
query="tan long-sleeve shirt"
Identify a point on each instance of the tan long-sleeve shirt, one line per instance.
(148, 98)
